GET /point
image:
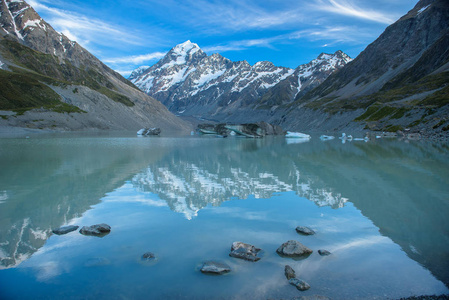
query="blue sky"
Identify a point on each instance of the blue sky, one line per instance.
(127, 34)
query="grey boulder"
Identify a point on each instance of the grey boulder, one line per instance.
(244, 251)
(323, 252)
(65, 229)
(299, 284)
(289, 272)
(213, 267)
(304, 230)
(99, 230)
(293, 249)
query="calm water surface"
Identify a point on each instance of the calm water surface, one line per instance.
(381, 208)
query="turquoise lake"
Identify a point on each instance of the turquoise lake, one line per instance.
(380, 207)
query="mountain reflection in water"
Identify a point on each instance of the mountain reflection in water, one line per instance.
(403, 188)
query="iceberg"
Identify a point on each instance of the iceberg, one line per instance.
(326, 137)
(148, 131)
(299, 135)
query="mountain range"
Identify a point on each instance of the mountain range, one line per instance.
(191, 83)
(49, 81)
(398, 83)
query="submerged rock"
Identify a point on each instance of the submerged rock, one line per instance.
(97, 262)
(305, 230)
(293, 249)
(99, 230)
(244, 251)
(213, 267)
(148, 256)
(65, 229)
(289, 272)
(299, 284)
(323, 252)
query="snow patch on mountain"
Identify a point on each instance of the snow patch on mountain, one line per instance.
(208, 77)
(32, 23)
(423, 9)
(16, 30)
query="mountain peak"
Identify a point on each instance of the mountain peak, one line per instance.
(181, 54)
(186, 47)
(19, 18)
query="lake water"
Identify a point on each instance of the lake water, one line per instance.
(381, 208)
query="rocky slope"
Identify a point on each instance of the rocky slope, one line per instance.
(44, 75)
(399, 81)
(189, 82)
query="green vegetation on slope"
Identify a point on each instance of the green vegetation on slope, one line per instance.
(60, 73)
(380, 105)
(21, 92)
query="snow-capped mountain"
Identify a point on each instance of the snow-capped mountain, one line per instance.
(190, 82)
(305, 78)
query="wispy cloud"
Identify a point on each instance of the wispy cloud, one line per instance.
(334, 34)
(348, 8)
(237, 15)
(84, 29)
(135, 59)
(331, 35)
(243, 44)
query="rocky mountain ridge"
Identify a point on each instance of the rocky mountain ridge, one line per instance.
(189, 82)
(44, 75)
(399, 82)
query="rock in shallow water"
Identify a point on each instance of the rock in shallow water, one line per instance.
(244, 251)
(323, 252)
(289, 272)
(304, 230)
(99, 230)
(65, 229)
(293, 249)
(213, 267)
(299, 284)
(148, 256)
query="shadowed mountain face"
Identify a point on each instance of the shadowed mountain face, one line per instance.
(189, 82)
(400, 80)
(42, 69)
(383, 64)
